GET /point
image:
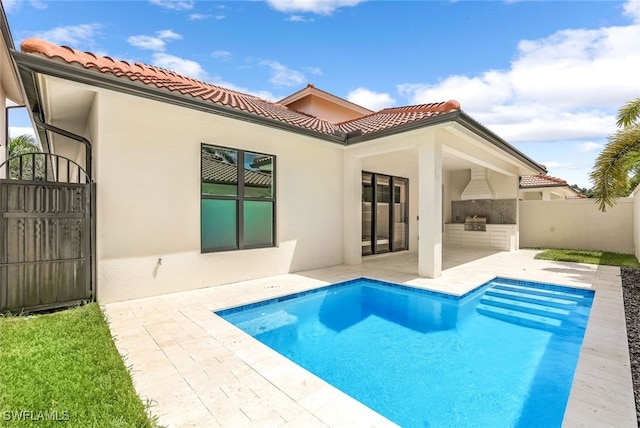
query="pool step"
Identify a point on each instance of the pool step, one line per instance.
(521, 318)
(529, 306)
(532, 308)
(540, 291)
(525, 296)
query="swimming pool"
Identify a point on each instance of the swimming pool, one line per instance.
(503, 354)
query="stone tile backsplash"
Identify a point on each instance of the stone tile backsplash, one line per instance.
(497, 211)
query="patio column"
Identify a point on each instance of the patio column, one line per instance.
(352, 230)
(430, 207)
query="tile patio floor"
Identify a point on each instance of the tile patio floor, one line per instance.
(200, 371)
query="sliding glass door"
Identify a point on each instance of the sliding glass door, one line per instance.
(400, 214)
(367, 213)
(384, 213)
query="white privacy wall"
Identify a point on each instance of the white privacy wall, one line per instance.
(636, 221)
(148, 178)
(577, 224)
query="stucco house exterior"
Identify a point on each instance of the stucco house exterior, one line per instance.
(198, 185)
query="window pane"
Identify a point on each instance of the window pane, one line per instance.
(258, 173)
(219, 171)
(218, 224)
(258, 223)
(383, 197)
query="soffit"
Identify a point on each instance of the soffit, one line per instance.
(73, 103)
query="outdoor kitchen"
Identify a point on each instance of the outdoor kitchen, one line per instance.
(479, 219)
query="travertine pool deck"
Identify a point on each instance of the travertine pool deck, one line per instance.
(200, 371)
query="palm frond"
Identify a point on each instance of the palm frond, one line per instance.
(629, 114)
(25, 143)
(610, 172)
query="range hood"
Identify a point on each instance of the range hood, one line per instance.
(478, 187)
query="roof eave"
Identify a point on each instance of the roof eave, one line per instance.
(545, 186)
(32, 64)
(461, 118)
(15, 93)
(479, 129)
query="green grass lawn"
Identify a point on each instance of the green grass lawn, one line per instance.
(63, 369)
(591, 257)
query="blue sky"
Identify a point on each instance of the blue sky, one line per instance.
(547, 76)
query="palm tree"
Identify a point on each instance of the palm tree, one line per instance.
(25, 143)
(617, 167)
(21, 145)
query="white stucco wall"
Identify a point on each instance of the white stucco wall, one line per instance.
(577, 224)
(149, 199)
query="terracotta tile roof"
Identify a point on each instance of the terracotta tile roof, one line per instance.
(392, 117)
(540, 180)
(174, 82)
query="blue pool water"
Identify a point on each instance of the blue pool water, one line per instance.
(502, 355)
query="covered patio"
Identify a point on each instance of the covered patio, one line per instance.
(198, 370)
(414, 190)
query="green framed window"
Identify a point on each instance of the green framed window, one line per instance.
(237, 199)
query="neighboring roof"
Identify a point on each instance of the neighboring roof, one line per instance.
(217, 171)
(541, 180)
(39, 56)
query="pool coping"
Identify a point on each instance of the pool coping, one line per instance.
(201, 371)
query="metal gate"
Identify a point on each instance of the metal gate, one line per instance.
(46, 233)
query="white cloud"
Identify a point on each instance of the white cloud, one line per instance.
(198, 17)
(558, 165)
(168, 35)
(11, 5)
(174, 4)
(299, 18)
(632, 10)
(73, 35)
(315, 70)
(590, 147)
(565, 86)
(369, 99)
(222, 55)
(147, 42)
(186, 67)
(14, 5)
(154, 43)
(321, 7)
(16, 131)
(564, 89)
(281, 75)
